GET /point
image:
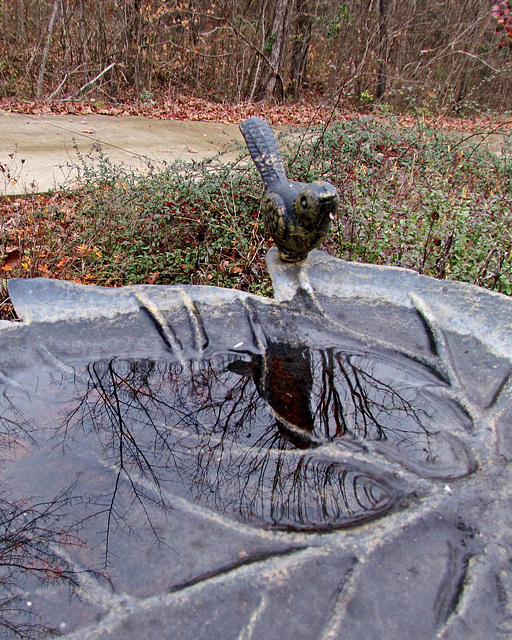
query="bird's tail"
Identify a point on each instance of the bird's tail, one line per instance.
(264, 151)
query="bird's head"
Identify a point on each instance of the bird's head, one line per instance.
(316, 203)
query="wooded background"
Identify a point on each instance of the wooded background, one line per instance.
(434, 54)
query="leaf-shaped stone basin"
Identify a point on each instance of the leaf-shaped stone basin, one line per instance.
(160, 443)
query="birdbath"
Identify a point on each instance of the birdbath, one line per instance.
(196, 462)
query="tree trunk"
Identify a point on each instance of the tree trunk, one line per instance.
(271, 83)
(132, 44)
(19, 13)
(82, 34)
(382, 71)
(300, 48)
(46, 51)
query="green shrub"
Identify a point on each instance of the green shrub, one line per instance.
(416, 198)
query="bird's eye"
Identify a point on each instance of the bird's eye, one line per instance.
(304, 202)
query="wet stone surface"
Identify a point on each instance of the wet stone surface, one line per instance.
(188, 462)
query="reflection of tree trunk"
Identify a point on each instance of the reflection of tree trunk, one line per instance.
(382, 72)
(300, 48)
(271, 84)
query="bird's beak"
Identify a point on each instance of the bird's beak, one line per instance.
(326, 197)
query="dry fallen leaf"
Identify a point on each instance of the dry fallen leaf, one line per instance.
(10, 260)
(152, 278)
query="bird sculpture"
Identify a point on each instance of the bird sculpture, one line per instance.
(297, 215)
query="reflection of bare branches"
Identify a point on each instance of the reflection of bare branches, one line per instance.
(208, 427)
(329, 395)
(139, 411)
(367, 399)
(290, 491)
(225, 432)
(29, 532)
(109, 407)
(14, 426)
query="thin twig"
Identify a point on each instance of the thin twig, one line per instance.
(87, 84)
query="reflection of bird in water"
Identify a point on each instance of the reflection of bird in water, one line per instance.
(296, 214)
(283, 378)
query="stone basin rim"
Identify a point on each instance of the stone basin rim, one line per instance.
(460, 307)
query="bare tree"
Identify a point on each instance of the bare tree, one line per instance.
(301, 41)
(272, 83)
(46, 50)
(440, 53)
(382, 73)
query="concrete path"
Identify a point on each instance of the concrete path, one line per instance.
(39, 153)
